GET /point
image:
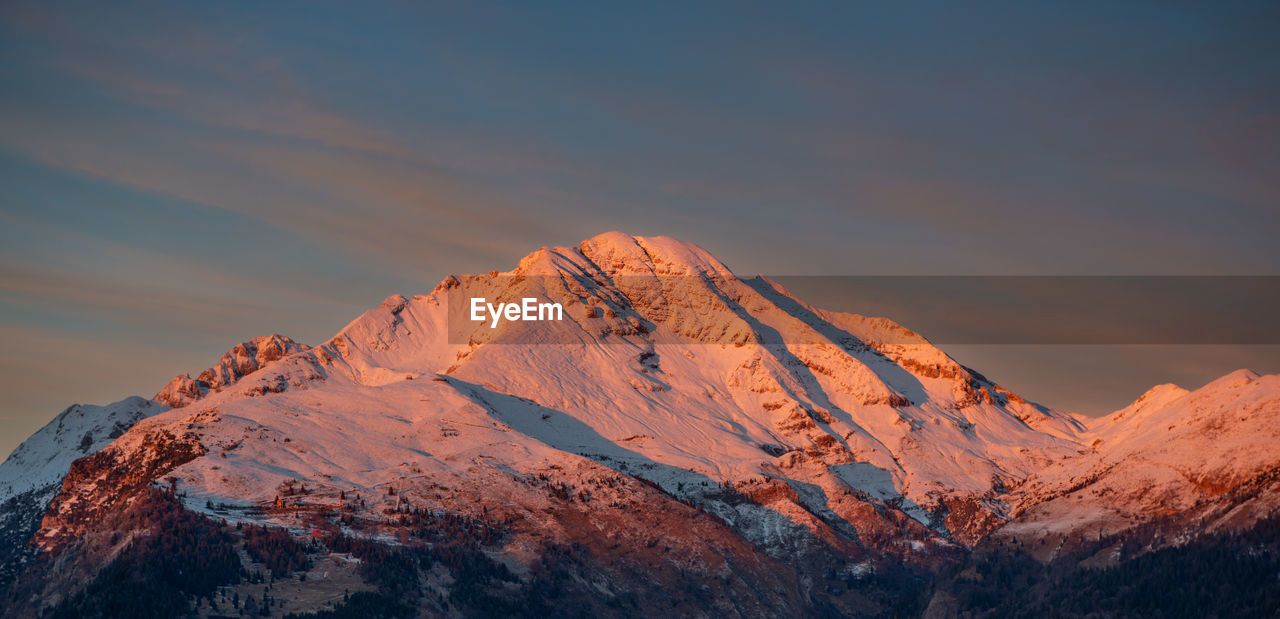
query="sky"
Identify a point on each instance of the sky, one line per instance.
(176, 178)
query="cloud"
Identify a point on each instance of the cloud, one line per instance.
(67, 293)
(211, 123)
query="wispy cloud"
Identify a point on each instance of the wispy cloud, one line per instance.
(255, 140)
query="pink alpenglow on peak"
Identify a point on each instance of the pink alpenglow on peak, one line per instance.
(243, 359)
(671, 389)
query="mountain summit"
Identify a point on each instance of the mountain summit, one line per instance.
(710, 427)
(242, 360)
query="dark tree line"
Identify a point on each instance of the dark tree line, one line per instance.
(184, 557)
(19, 521)
(363, 605)
(177, 559)
(277, 549)
(449, 528)
(1234, 574)
(395, 570)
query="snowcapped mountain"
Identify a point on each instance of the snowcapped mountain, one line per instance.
(1204, 460)
(686, 370)
(677, 406)
(83, 429)
(42, 460)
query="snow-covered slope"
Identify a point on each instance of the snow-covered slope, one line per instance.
(1206, 458)
(42, 460)
(83, 429)
(667, 343)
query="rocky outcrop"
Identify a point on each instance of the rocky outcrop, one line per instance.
(242, 360)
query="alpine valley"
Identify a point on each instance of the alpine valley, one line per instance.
(684, 442)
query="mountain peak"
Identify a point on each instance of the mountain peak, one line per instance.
(1237, 378)
(1153, 399)
(80, 429)
(241, 360)
(1160, 393)
(617, 253)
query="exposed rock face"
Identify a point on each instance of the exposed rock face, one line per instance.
(243, 359)
(98, 484)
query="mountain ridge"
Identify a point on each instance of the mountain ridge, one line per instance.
(801, 431)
